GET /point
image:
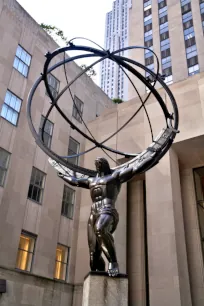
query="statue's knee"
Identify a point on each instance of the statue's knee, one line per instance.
(99, 231)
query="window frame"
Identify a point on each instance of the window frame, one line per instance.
(70, 137)
(68, 203)
(57, 91)
(199, 202)
(5, 169)
(22, 61)
(13, 110)
(34, 237)
(67, 263)
(74, 109)
(40, 129)
(41, 188)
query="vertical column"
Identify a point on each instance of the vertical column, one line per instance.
(193, 243)
(121, 231)
(136, 244)
(197, 22)
(168, 269)
(136, 37)
(177, 45)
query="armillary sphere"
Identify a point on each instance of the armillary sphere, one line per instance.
(142, 161)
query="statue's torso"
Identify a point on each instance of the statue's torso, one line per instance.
(104, 192)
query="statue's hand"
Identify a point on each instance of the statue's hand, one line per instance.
(60, 174)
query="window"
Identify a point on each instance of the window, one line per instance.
(4, 162)
(53, 84)
(186, 8)
(149, 60)
(202, 12)
(165, 44)
(184, 2)
(199, 188)
(164, 27)
(22, 61)
(167, 72)
(72, 150)
(61, 262)
(77, 109)
(191, 51)
(149, 43)
(36, 188)
(193, 70)
(166, 62)
(48, 131)
(189, 33)
(169, 80)
(25, 252)
(162, 11)
(11, 108)
(186, 17)
(165, 53)
(68, 202)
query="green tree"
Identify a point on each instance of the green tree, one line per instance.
(90, 72)
(117, 100)
(55, 32)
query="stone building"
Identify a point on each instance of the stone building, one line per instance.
(174, 30)
(159, 239)
(160, 235)
(39, 214)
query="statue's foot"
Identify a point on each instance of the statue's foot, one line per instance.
(113, 269)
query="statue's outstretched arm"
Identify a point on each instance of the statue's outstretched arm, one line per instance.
(126, 173)
(84, 183)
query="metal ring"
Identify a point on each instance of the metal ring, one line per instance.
(122, 61)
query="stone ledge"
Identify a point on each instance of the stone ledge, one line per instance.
(24, 277)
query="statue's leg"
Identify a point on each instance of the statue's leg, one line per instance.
(103, 227)
(96, 260)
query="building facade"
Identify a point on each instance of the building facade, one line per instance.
(39, 214)
(159, 238)
(174, 31)
(113, 81)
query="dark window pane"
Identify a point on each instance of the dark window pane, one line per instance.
(35, 190)
(77, 109)
(2, 176)
(68, 202)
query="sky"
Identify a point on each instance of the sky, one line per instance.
(84, 18)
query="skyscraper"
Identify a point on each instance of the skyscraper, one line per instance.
(113, 81)
(174, 31)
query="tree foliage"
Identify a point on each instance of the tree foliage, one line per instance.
(55, 32)
(117, 100)
(52, 31)
(90, 72)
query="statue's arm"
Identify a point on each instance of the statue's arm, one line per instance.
(125, 174)
(84, 183)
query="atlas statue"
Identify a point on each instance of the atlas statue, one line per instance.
(103, 219)
(104, 183)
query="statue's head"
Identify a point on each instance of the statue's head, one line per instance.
(102, 166)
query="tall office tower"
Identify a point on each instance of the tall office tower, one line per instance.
(174, 31)
(113, 80)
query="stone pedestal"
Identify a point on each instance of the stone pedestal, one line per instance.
(102, 290)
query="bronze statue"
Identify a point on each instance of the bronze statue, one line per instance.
(103, 220)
